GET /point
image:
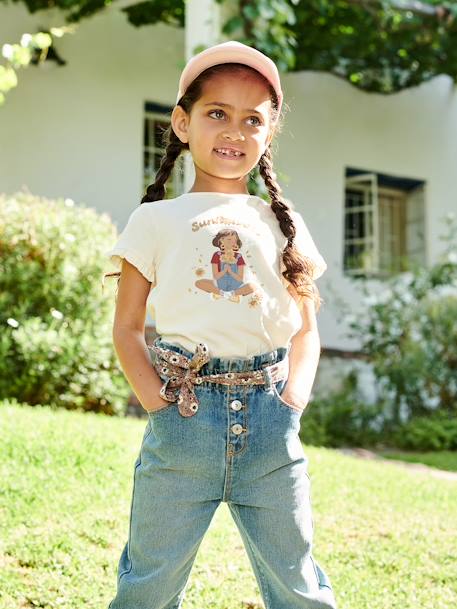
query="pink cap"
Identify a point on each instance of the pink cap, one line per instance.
(228, 52)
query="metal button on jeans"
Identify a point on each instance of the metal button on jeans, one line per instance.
(236, 405)
(237, 428)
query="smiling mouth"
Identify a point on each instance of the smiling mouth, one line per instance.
(226, 153)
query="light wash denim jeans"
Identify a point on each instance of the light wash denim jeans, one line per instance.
(241, 447)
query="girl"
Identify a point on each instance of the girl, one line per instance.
(227, 379)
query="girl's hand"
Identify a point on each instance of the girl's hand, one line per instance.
(294, 397)
(156, 404)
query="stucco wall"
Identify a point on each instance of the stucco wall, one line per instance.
(76, 132)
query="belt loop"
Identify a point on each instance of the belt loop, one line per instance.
(267, 376)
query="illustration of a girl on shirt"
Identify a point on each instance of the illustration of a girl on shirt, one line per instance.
(228, 269)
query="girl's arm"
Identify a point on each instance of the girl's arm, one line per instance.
(303, 357)
(129, 340)
(239, 275)
(217, 274)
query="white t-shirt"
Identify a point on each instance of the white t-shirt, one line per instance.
(216, 261)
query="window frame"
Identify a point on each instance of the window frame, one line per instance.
(175, 184)
(376, 216)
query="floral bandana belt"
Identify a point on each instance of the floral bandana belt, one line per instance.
(181, 375)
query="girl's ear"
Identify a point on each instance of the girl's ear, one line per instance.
(179, 123)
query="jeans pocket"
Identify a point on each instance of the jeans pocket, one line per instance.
(155, 411)
(163, 407)
(277, 390)
(322, 578)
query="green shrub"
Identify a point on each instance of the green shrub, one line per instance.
(56, 339)
(408, 331)
(434, 432)
(341, 418)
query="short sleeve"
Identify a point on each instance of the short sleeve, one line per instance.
(137, 243)
(305, 244)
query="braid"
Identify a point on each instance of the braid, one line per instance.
(299, 268)
(156, 191)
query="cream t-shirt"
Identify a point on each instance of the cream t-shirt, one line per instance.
(216, 261)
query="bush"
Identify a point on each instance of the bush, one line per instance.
(341, 419)
(56, 339)
(437, 432)
(409, 334)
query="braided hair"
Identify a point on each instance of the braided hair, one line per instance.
(298, 268)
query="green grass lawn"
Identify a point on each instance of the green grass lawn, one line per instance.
(444, 459)
(385, 535)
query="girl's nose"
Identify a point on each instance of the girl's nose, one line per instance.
(234, 135)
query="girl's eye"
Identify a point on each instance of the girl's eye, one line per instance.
(213, 111)
(259, 122)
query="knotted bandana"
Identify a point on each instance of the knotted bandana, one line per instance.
(181, 374)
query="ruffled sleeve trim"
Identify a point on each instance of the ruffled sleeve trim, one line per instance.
(320, 266)
(116, 255)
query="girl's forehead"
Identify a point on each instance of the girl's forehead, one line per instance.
(248, 94)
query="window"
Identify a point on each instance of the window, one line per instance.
(156, 121)
(384, 224)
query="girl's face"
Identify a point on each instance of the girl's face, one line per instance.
(233, 112)
(229, 242)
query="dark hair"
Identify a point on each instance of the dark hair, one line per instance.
(298, 268)
(226, 232)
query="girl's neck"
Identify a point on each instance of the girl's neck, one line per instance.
(220, 187)
(217, 192)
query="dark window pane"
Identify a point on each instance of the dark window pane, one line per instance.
(355, 225)
(354, 198)
(149, 132)
(159, 128)
(147, 159)
(157, 159)
(353, 255)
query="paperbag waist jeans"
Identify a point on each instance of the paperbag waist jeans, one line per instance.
(242, 447)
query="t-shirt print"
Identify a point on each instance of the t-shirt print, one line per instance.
(228, 271)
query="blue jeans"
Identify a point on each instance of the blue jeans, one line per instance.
(241, 447)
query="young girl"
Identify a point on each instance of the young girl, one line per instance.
(228, 377)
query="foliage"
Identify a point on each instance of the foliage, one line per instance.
(408, 331)
(31, 49)
(433, 432)
(377, 45)
(56, 339)
(341, 418)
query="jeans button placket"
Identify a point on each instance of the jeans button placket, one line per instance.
(237, 429)
(236, 417)
(236, 405)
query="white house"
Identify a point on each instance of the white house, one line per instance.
(373, 175)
